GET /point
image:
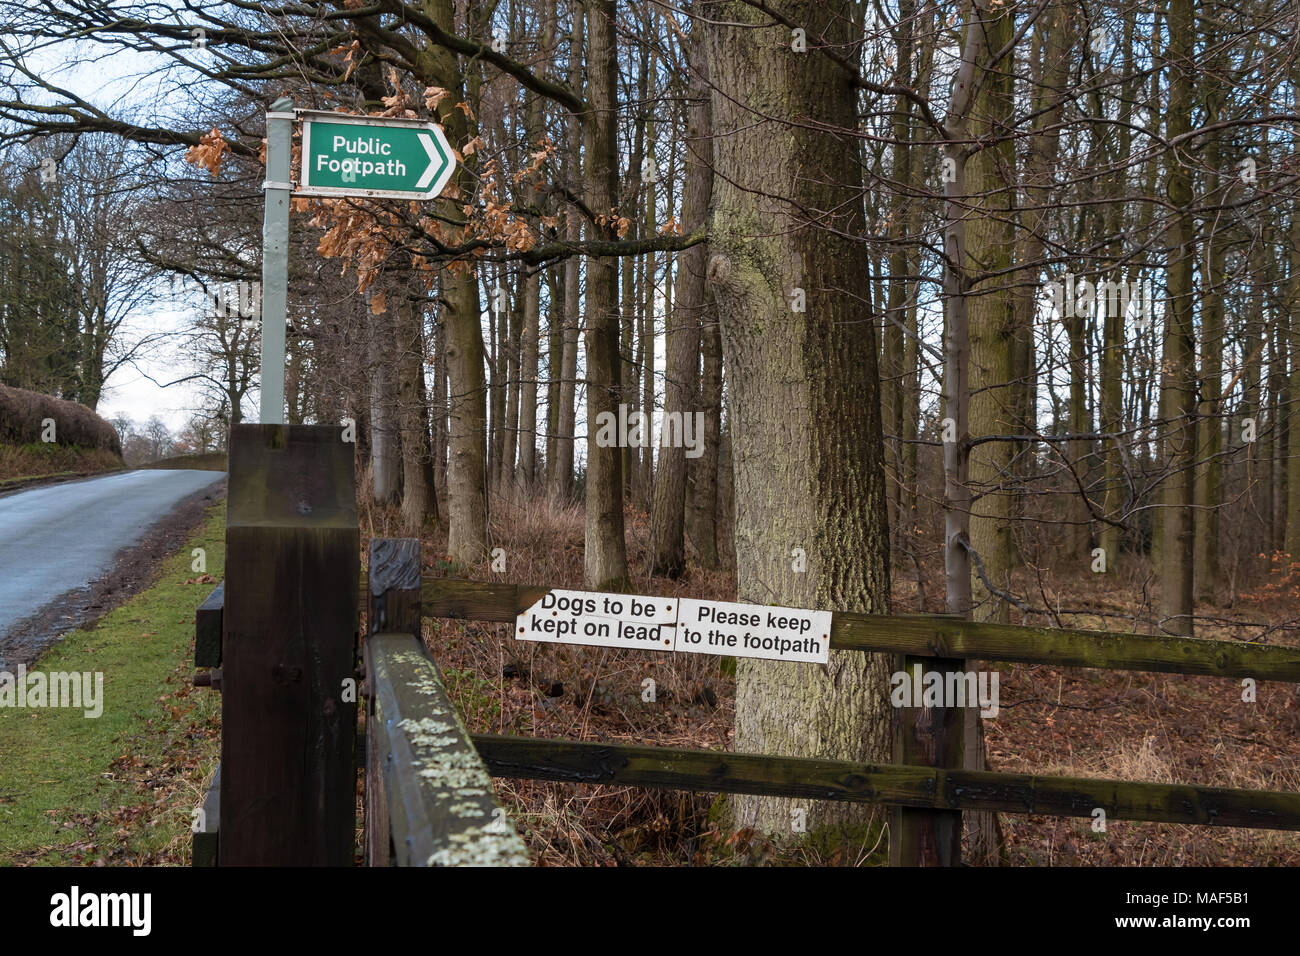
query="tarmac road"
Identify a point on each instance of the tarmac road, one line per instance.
(60, 537)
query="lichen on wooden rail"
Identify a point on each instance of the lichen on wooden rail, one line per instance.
(944, 636)
(441, 805)
(890, 784)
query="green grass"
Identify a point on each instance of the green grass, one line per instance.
(119, 789)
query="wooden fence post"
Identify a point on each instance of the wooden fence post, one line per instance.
(288, 739)
(393, 605)
(926, 737)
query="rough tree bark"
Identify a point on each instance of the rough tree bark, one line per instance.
(804, 402)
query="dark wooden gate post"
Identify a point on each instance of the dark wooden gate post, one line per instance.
(288, 710)
(926, 737)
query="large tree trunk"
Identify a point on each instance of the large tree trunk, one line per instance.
(993, 409)
(989, 242)
(668, 513)
(419, 501)
(1209, 476)
(466, 477)
(1111, 412)
(559, 476)
(1178, 385)
(466, 480)
(605, 554)
(971, 350)
(804, 401)
(385, 446)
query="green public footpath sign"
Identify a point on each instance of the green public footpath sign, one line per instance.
(373, 157)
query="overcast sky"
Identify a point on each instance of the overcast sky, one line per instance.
(113, 82)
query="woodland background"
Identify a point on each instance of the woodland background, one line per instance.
(986, 307)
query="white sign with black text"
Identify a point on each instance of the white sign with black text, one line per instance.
(753, 630)
(665, 624)
(601, 620)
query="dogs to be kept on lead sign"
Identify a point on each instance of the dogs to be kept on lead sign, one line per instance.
(602, 620)
(692, 626)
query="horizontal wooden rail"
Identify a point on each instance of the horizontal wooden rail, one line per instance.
(441, 806)
(908, 786)
(944, 636)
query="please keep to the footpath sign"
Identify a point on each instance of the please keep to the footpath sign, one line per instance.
(692, 626)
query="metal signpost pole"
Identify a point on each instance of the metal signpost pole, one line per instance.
(275, 258)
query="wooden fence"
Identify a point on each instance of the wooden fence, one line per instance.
(925, 785)
(280, 640)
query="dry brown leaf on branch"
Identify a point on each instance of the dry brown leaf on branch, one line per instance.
(210, 152)
(378, 304)
(671, 227)
(433, 95)
(351, 59)
(538, 158)
(519, 237)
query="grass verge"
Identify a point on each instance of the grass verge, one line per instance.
(19, 463)
(119, 789)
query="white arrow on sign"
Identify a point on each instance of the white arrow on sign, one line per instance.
(427, 142)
